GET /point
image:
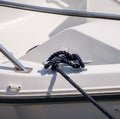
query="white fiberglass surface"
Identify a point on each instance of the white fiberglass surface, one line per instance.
(21, 30)
(113, 6)
(95, 46)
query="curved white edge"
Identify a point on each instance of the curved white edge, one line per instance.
(40, 82)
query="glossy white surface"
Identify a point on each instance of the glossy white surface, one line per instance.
(98, 40)
(105, 6)
(93, 40)
(27, 29)
(94, 79)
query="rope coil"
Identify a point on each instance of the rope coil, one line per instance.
(72, 60)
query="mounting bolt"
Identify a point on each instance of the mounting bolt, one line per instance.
(117, 108)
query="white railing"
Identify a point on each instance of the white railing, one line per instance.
(18, 66)
(74, 13)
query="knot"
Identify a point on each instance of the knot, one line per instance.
(73, 60)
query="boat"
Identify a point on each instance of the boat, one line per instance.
(31, 31)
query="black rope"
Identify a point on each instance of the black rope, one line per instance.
(84, 93)
(73, 60)
(64, 57)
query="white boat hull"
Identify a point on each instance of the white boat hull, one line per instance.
(59, 108)
(45, 94)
